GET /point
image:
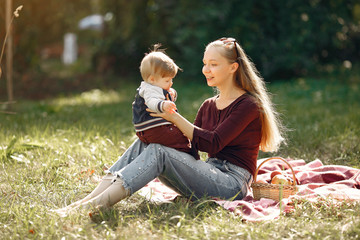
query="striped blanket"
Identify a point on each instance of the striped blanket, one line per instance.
(316, 182)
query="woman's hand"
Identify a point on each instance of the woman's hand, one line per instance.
(165, 115)
(184, 125)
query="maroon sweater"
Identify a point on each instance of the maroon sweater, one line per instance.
(231, 134)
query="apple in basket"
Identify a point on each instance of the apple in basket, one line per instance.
(281, 179)
(274, 173)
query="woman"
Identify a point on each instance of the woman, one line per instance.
(231, 127)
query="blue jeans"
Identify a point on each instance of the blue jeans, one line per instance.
(142, 163)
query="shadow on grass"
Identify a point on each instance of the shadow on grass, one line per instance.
(160, 215)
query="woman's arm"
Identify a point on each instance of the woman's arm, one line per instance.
(186, 127)
(212, 137)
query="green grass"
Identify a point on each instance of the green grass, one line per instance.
(323, 118)
(52, 152)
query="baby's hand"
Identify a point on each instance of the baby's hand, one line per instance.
(169, 106)
(173, 94)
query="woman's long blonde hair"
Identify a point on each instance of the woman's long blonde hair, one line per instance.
(248, 78)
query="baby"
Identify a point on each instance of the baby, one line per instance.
(155, 92)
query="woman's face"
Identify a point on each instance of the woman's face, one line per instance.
(217, 70)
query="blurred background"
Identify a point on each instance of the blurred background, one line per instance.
(66, 46)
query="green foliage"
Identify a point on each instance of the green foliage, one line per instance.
(284, 38)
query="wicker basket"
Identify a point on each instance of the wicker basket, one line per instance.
(273, 191)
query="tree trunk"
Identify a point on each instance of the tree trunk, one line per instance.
(9, 53)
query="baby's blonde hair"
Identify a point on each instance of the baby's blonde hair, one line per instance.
(157, 64)
(248, 79)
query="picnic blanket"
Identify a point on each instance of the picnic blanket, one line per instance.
(316, 182)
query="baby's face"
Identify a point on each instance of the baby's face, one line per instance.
(163, 82)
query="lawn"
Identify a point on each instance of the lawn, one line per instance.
(52, 152)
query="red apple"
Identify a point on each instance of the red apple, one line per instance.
(274, 173)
